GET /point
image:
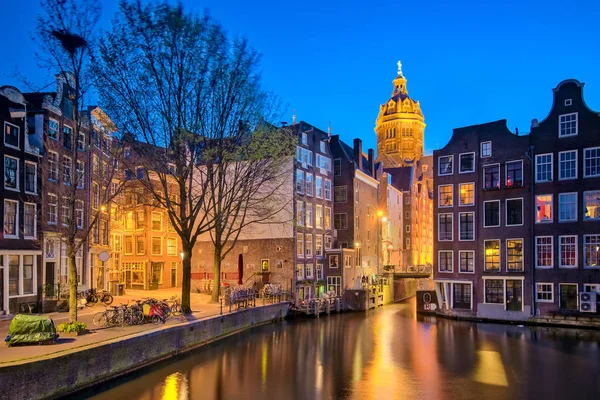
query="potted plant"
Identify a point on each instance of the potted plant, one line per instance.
(72, 328)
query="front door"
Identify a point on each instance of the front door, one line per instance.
(173, 277)
(50, 273)
(461, 295)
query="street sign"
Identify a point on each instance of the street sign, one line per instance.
(104, 256)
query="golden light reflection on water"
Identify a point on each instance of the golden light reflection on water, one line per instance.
(490, 369)
(175, 387)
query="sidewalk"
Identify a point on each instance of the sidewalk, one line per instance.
(201, 308)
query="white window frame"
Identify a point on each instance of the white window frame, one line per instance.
(504, 279)
(585, 261)
(499, 256)
(440, 164)
(80, 173)
(506, 211)
(506, 173)
(451, 196)
(34, 277)
(18, 138)
(69, 164)
(499, 176)
(451, 261)
(171, 240)
(551, 167)
(326, 223)
(551, 220)
(459, 225)
(35, 177)
(16, 235)
(56, 137)
(304, 138)
(522, 254)
(319, 216)
(53, 159)
(481, 149)
(499, 214)
(560, 195)
(585, 205)
(459, 199)
(560, 178)
(300, 181)
(466, 251)
(317, 187)
(308, 250)
(551, 252)
(328, 194)
(451, 228)
(50, 205)
(80, 210)
(308, 215)
(451, 294)
(597, 174)
(17, 174)
(300, 245)
(460, 163)
(537, 299)
(560, 251)
(152, 246)
(152, 221)
(309, 188)
(560, 135)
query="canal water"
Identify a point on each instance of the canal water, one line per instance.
(389, 353)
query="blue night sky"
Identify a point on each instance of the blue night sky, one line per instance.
(467, 62)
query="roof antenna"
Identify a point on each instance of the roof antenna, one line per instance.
(294, 117)
(517, 131)
(329, 129)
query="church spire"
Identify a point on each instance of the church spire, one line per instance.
(399, 82)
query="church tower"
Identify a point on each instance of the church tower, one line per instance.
(399, 127)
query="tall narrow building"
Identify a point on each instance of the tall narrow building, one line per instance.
(399, 127)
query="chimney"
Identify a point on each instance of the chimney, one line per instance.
(358, 153)
(371, 159)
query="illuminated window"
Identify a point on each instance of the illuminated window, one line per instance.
(491, 176)
(514, 174)
(492, 255)
(445, 195)
(543, 252)
(467, 194)
(543, 208)
(591, 205)
(591, 251)
(568, 251)
(514, 254)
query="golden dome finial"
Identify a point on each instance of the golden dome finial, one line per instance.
(399, 68)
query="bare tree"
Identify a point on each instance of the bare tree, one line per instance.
(65, 34)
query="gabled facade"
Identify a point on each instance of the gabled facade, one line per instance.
(20, 251)
(566, 219)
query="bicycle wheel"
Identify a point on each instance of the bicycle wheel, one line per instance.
(155, 319)
(176, 309)
(107, 299)
(100, 319)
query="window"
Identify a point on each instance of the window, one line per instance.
(567, 207)
(591, 164)
(309, 271)
(466, 261)
(567, 251)
(156, 221)
(445, 227)
(328, 242)
(11, 173)
(11, 135)
(140, 219)
(318, 187)
(340, 221)
(52, 166)
(319, 245)
(80, 174)
(327, 218)
(96, 233)
(340, 194)
(568, 296)
(96, 164)
(591, 251)
(322, 146)
(309, 215)
(461, 295)
(514, 174)
(445, 261)
(491, 213)
(494, 291)
(337, 167)
(300, 272)
(466, 228)
(13, 275)
(67, 133)
(300, 181)
(95, 195)
(30, 177)
(445, 165)
(514, 212)
(514, 255)
(491, 177)
(81, 141)
(129, 221)
(52, 208)
(300, 213)
(66, 166)
(567, 125)
(467, 194)
(445, 195)
(543, 208)
(139, 173)
(591, 205)
(514, 295)
(567, 165)
(543, 252)
(79, 213)
(407, 229)
(319, 216)
(171, 246)
(52, 129)
(308, 245)
(327, 189)
(486, 149)
(156, 246)
(334, 284)
(304, 139)
(66, 211)
(141, 248)
(307, 157)
(309, 184)
(544, 292)
(11, 219)
(543, 167)
(128, 245)
(492, 255)
(300, 245)
(467, 163)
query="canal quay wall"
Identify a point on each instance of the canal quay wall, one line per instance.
(65, 374)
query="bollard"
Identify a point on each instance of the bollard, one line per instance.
(338, 306)
(221, 304)
(328, 308)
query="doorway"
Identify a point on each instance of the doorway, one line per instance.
(173, 277)
(50, 273)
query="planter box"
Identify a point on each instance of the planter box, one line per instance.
(73, 334)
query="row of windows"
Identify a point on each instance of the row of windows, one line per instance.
(156, 243)
(568, 167)
(466, 161)
(21, 273)
(466, 258)
(12, 176)
(67, 170)
(305, 156)
(568, 293)
(305, 185)
(304, 215)
(567, 207)
(11, 220)
(12, 135)
(304, 245)
(505, 291)
(567, 249)
(307, 271)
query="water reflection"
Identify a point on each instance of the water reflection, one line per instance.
(387, 354)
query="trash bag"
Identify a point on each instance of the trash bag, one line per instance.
(31, 329)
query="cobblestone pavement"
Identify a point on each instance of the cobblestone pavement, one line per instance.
(201, 308)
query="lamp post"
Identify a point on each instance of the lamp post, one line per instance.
(381, 219)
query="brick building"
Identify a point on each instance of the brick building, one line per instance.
(481, 230)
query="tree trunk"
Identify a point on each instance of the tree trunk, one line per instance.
(186, 282)
(217, 273)
(72, 288)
